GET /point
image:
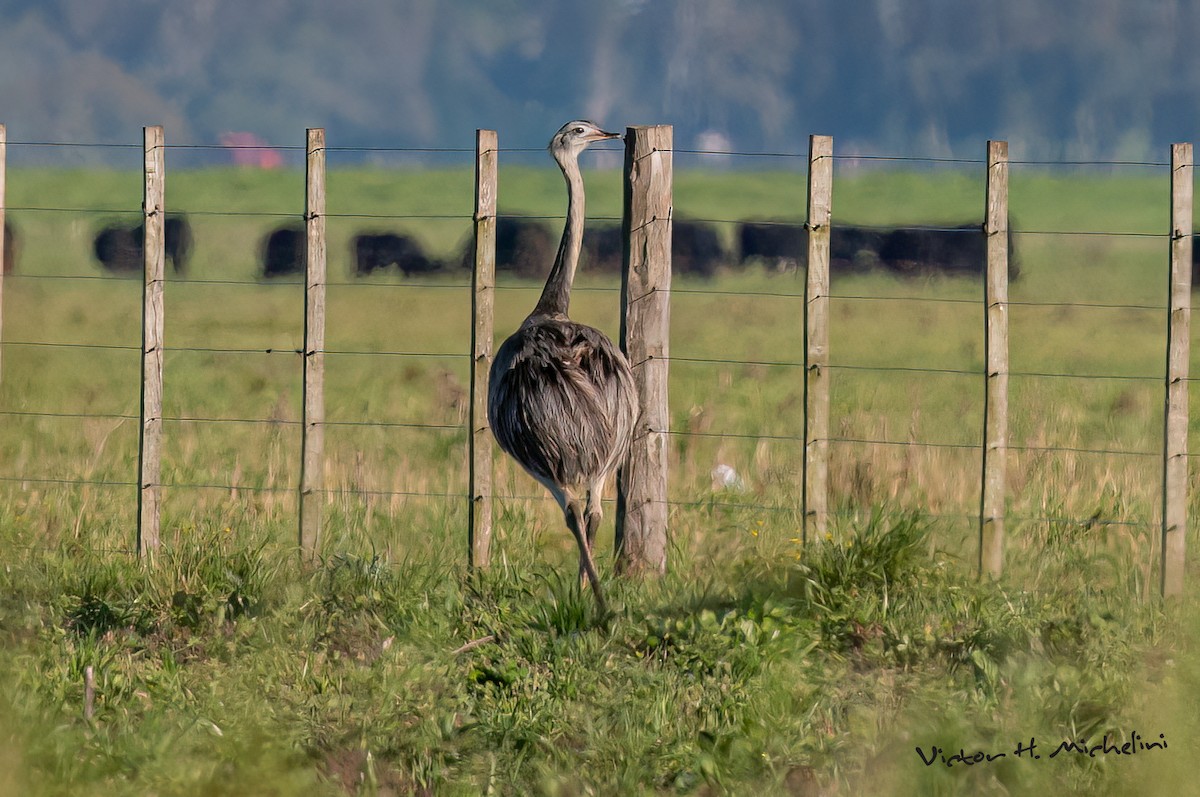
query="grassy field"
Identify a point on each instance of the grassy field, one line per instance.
(227, 669)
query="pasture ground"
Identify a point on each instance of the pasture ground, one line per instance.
(752, 666)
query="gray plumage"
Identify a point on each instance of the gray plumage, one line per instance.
(561, 396)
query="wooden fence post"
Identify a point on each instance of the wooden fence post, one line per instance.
(995, 402)
(4, 242)
(154, 255)
(312, 440)
(1175, 425)
(483, 300)
(89, 693)
(641, 537)
(814, 491)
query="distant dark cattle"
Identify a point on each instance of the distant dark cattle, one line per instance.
(696, 248)
(854, 249)
(909, 251)
(119, 248)
(912, 250)
(524, 247)
(780, 244)
(785, 245)
(179, 241)
(376, 251)
(602, 245)
(941, 250)
(527, 248)
(283, 252)
(10, 248)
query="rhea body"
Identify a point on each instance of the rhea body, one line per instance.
(561, 396)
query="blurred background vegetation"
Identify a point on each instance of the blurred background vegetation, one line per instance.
(1076, 79)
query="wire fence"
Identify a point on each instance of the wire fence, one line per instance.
(19, 406)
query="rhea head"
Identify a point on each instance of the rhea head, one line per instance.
(574, 137)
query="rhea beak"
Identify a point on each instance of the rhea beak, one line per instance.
(604, 135)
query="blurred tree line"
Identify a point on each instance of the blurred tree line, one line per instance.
(1071, 79)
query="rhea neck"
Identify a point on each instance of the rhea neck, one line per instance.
(556, 296)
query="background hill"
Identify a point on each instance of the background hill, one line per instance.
(1077, 78)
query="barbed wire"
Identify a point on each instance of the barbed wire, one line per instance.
(52, 345)
(461, 427)
(458, 427)
(292, 281)
(374, 353)
(723, 500)
(542, 149)
(79, 144)
(902, 443)
(1018, 447)
(263, 421)
(72, 546)
(528, 285)
(93, 415)
(70, 482)
(912, 369)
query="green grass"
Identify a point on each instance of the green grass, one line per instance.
(225, 669)
(752, 666)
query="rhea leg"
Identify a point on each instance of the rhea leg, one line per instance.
(579, 526)
(592, 515)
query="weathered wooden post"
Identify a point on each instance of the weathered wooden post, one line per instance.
(154, 255)
(483, 300)
(89, 693)
(995, 402)
(641, 538)
(312, 439)
(814, 491)
(3, 243)
(1175, 425)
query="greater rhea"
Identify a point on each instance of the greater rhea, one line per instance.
(561, 397)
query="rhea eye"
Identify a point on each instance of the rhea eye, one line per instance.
(579, 130)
